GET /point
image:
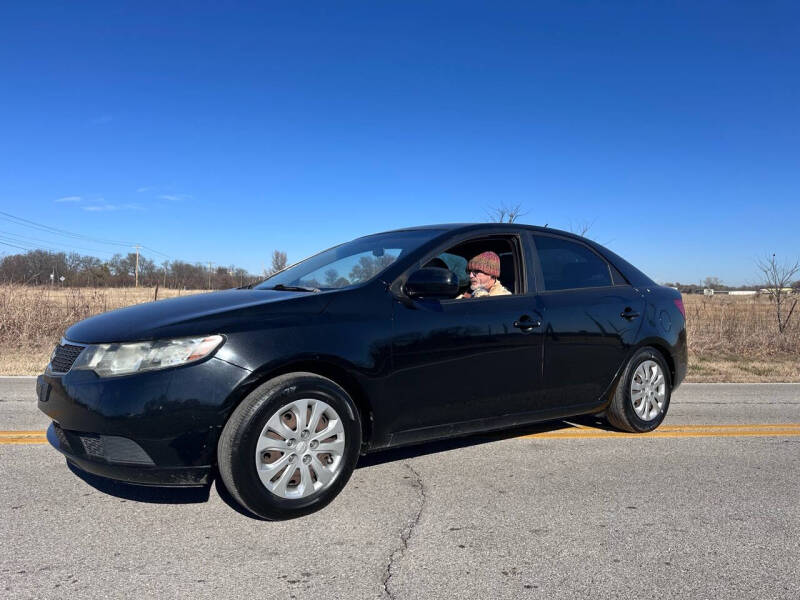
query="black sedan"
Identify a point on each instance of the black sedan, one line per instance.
(391, 339)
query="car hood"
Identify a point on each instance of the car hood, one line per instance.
(198, 314)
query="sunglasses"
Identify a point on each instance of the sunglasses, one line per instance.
(474, 273)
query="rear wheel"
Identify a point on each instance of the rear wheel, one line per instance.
(291, 445)
(642, 396)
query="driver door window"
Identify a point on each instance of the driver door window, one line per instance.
(457, 258)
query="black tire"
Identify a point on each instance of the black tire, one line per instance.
(237, 444)
(620, 412)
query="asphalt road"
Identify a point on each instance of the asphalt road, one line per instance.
(559, 511)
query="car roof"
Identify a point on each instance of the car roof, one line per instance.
(451, 227)
(634, 275)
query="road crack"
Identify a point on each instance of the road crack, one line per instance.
(405, 535)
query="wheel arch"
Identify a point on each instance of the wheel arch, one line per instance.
(654, 343)
(325, 368)
(663, 348)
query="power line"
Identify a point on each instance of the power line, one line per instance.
(77, 236)
(26, 239)
(28, 246)
(63, 232)
(50, 245)
(14, 246)
(157, 252)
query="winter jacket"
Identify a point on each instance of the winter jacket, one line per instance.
(497, 290)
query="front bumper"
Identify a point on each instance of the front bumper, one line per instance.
(157, 428)
(129, 472)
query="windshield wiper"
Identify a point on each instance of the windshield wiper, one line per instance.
(293, 288)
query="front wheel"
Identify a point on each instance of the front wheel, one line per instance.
(642, 396)
(291, 445)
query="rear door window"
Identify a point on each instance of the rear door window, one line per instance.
(568, 265)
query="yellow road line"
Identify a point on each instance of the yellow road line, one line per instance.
(23, 437)
(612, 434)
(576, 432)
(732, 426)
(677, 431)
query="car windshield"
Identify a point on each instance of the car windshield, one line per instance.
(350, 263)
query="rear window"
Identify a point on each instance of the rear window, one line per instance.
(569, 265)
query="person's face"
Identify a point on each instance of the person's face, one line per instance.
(480, 279)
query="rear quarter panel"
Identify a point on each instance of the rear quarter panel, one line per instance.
(664, 327)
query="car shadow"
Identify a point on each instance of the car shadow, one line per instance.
(194, 495)
(228, 499)
(142, 493)
(161, 495)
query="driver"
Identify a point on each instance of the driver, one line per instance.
(484, 271)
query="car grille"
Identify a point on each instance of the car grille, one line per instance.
(62, 438)
(64, 357)
(111, 448)
(93, 445)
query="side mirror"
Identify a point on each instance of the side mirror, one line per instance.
(432, 282)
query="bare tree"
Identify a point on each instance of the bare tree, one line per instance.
(505, 214)
(712, 282)
(278, 261)
(581, 228)
(777, 277)
(331, 275)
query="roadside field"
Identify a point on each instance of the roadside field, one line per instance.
(731, 339)
(736, 339)
(33, 319)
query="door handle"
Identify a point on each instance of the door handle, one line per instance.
(629, 314)
(526, 324)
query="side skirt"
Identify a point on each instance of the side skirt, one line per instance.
(464, 428)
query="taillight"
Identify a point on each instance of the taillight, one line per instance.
(679, 304)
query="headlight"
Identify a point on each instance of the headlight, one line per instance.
(122, 359)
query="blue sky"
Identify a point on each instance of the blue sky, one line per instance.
(219, 132)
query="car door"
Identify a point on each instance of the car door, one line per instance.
(467, 360)
(591, 316)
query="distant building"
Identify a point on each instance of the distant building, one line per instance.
(743, 293)
(774, 290)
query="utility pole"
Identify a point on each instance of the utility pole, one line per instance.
(136, 273)
(210, 264)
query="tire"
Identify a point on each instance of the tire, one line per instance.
(641, 411)
(287, 436)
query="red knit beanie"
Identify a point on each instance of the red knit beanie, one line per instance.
(488, 262)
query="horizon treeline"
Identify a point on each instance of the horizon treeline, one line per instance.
(35, 267)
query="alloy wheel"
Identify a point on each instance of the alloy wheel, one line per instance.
(299, 451)
(648, 390)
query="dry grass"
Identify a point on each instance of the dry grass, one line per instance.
(738, 326)
(33, 319)
(743, 370)
(736, 339)
(732, 339)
